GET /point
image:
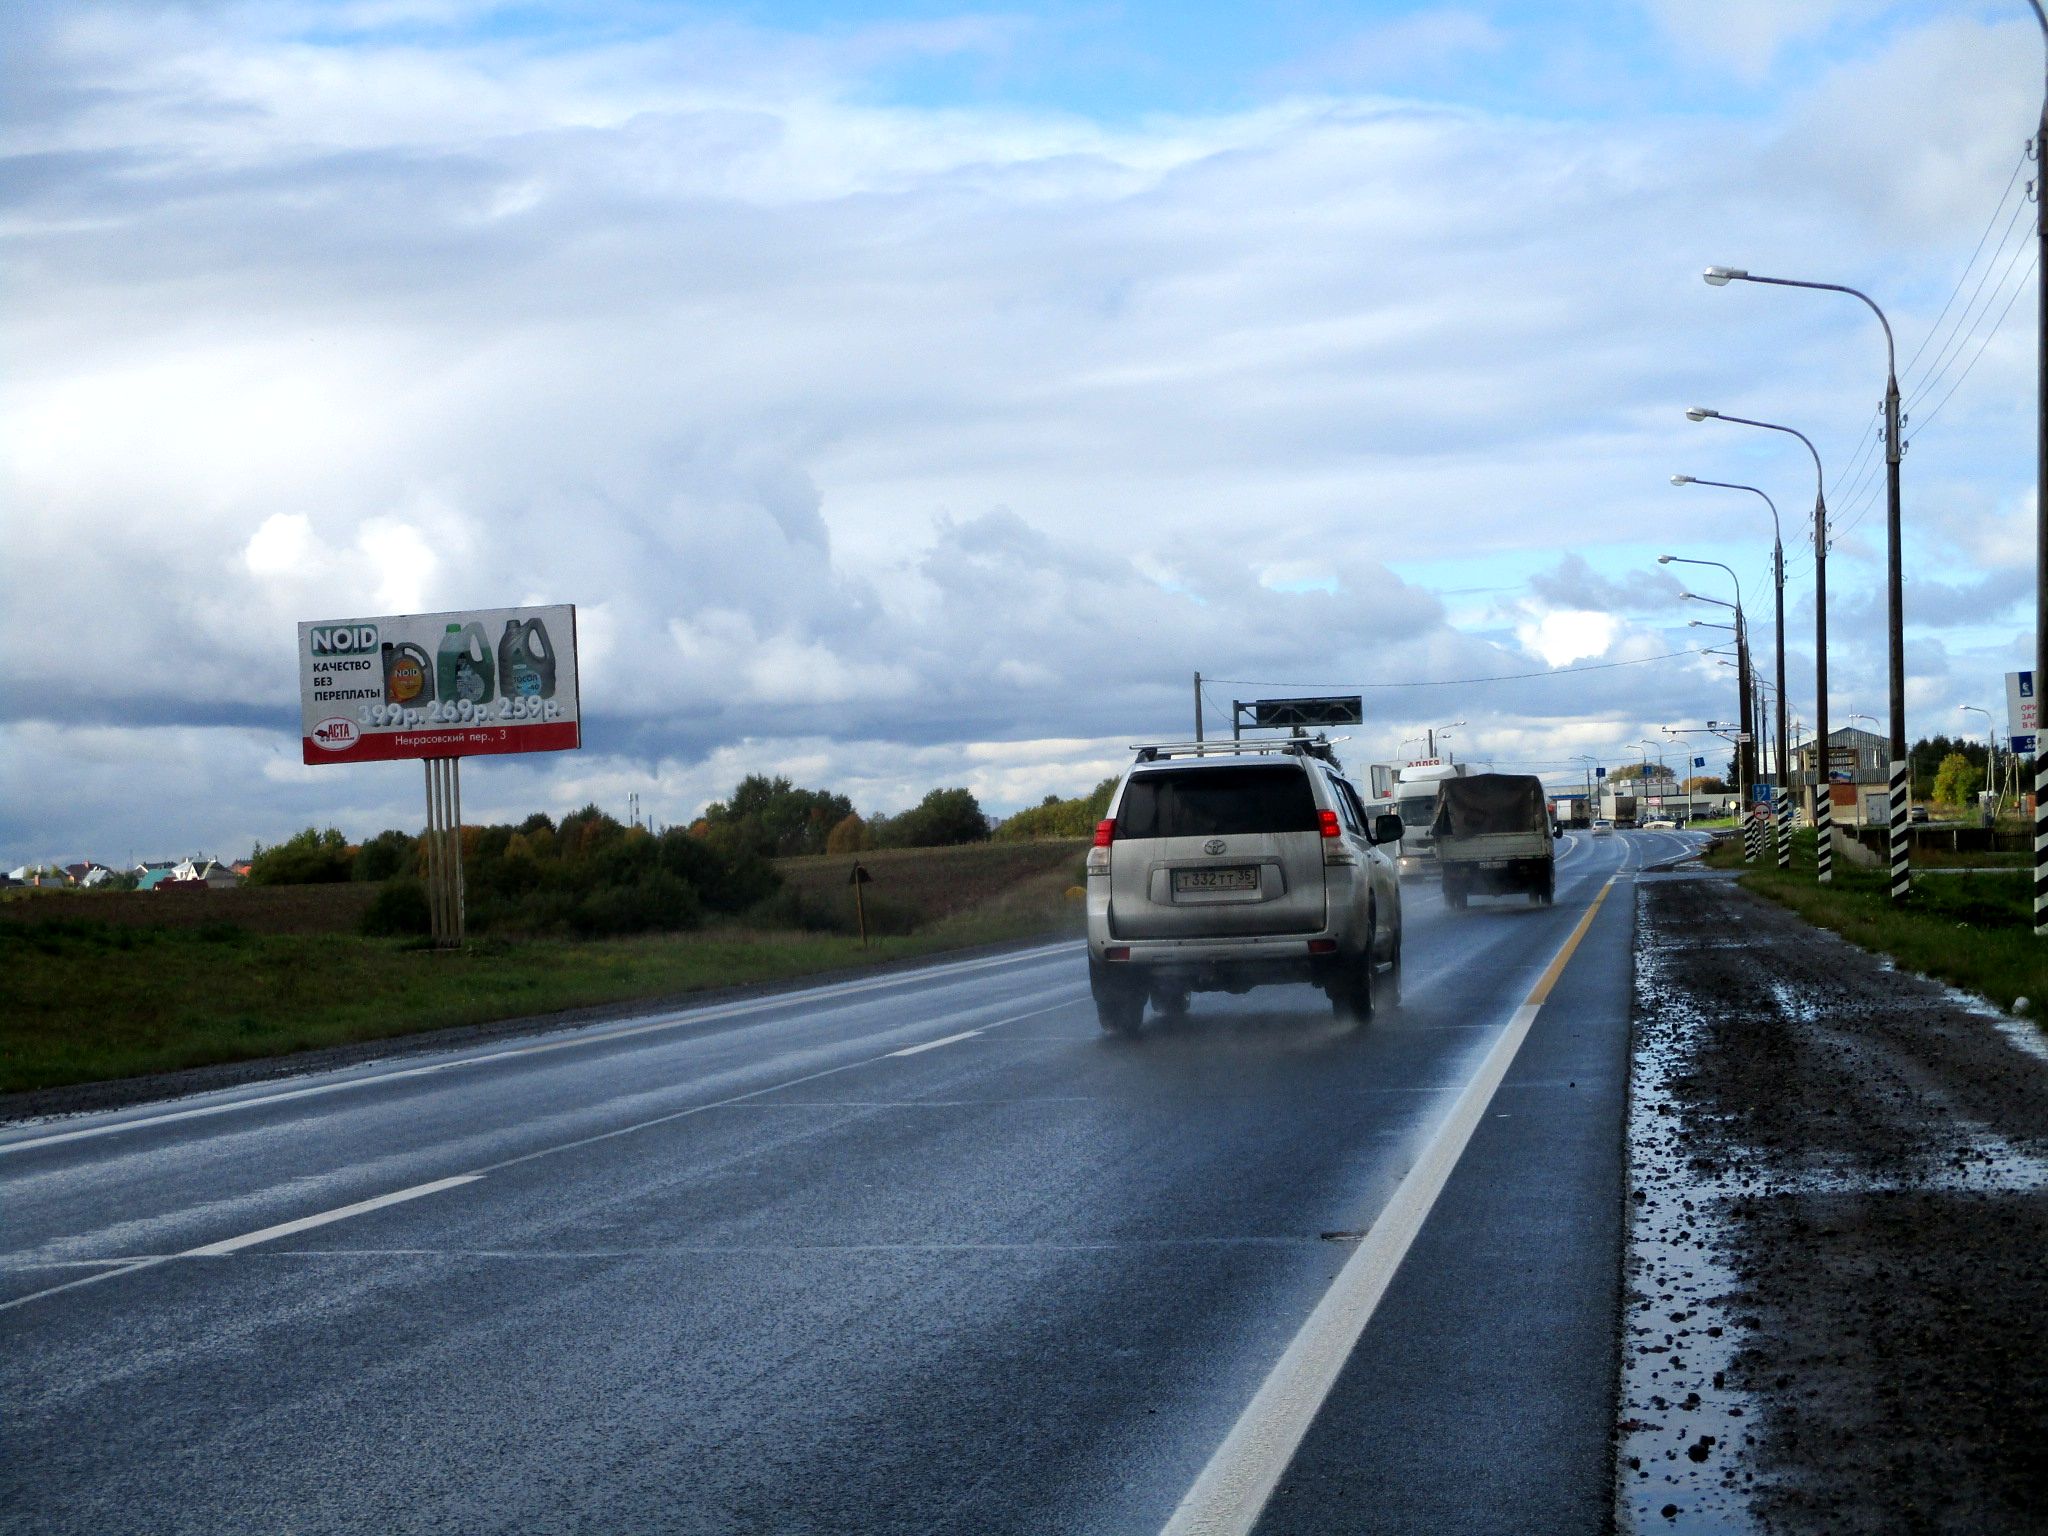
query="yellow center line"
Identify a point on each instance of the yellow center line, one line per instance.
(1556, 968)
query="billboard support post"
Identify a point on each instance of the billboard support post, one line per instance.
(445, 905)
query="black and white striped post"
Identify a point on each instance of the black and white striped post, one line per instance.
(2040, 838)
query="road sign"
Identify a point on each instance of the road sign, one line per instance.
(2022, 709)
(2024, 745)
(1280, 713)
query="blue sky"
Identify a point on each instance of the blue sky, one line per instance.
(919, 394)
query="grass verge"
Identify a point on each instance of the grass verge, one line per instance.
(1974, 931)
(88, 1002)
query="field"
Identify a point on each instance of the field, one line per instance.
(91, 990)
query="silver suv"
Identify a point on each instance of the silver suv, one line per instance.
(1223, 866)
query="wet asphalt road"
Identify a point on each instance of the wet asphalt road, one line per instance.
(768, 1266)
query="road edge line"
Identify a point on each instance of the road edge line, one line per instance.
(1232, 1489)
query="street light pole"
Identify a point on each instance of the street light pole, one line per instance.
(2041, 502)
(1784, 788)
(1823, 794)
(1894, 451)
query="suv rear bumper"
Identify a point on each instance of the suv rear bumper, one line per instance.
(1224, 965)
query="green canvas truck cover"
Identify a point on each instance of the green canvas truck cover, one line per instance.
(1485, 803)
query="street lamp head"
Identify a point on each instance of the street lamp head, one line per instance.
(1684, 479)
(1699, 413)
(1666, 559)
(1718, 277)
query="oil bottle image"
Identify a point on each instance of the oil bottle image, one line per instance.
(408, 674)
(466, 673)
(526, 660)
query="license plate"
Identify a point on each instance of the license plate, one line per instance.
(1243, 877)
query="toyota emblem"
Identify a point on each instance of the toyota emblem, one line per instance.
(1214, 845)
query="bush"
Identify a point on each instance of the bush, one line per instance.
(1054, 817)
(399, 911)
(385, 856)
(941, 819)
(849, 835)
(311, 858)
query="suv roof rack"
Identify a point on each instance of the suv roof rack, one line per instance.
(1318, 746)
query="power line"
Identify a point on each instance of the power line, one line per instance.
(1998, 208)
(1966, 322)
(2012, 299)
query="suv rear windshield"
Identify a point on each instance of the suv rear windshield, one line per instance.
(1217, 802)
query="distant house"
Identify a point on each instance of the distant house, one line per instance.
(38, 874)
(148, 879)
(209, 874)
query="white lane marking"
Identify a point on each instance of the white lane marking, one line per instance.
(933, 1045)
(672, 1021)
(230, 1245)
(1231, 1492)
(249, 1239)
(339, 1213)
(741, 1098)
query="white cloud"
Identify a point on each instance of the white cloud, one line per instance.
(1564, 636)
(894, 442)
(1746, 35)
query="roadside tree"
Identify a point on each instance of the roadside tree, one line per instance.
(1957, 780)
(312, 857)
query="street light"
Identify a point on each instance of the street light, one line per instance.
(1778, 582)
(1894, 450)
(1823, 806)
(1743, 750)
(1440, 730)
(1591, 763)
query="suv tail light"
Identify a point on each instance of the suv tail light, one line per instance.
(1098, 856)
(1335, 849)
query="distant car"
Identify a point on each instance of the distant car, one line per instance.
(1660, 824)
(1917, 813)
(1603, 828)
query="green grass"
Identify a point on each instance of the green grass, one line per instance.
(86, 1002)
(1974, 931)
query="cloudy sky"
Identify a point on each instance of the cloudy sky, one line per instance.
(911, 393)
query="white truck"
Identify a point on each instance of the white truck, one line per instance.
(1494, 836)
(1415, 796)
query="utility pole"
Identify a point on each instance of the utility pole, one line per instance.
(1198, 706)
(2041, 501)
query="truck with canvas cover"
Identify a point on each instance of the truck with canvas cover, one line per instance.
(1494, 836)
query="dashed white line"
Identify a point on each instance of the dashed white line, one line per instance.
(571, 1042)
(933, 1045)
(339, 1213)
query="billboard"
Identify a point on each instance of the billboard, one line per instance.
(467, 684)
(2022, 711)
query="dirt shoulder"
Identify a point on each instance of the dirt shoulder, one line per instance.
(1838, 1308)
